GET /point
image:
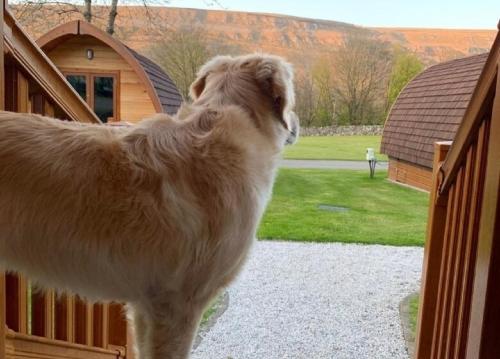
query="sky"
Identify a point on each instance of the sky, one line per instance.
(464, 14)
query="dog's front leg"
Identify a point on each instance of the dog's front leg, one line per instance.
(166, 330)
(140, 323)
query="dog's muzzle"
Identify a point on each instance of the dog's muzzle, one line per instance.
(293, 128)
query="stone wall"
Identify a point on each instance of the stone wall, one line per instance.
(341, 130)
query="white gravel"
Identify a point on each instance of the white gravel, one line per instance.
(306, 300)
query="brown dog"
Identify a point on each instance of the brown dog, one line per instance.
(159, 215)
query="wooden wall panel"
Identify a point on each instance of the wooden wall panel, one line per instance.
(135, 103)
(410, 174)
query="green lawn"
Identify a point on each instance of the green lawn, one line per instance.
(413, 313)
(379, 211)
(334, 148)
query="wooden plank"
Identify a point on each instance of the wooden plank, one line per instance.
(101, 325)
(484, 329)
(456, 279)
(471, 242)
(23, 94)
(83, 322)
(22, 346)
(2, 75)
(448, 260)
(16, 303)
(2, 315)
(117, 325)
(48, 108)
(432, 259)
(65, 318)
(43, 314)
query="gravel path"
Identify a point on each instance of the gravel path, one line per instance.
(331, 164)
(313, 301)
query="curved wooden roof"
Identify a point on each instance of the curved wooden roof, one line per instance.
(161, 89)
(430, 108)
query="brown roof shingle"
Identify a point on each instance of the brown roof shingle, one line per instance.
(430, 108)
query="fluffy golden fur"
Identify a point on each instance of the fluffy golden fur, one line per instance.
(159, 215)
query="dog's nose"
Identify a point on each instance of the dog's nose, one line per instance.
(294, 129)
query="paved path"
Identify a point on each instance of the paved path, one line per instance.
(315, 301)
(329, 164)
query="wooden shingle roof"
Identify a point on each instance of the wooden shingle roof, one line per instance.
(430, 108)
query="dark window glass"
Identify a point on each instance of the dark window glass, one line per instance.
(79, 83)
(103, 97)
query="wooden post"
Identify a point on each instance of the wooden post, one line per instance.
(2, 314)
(101, 325)
(484, 328)
(43, 314)
(83, 322)
(117, 325)
(432, 257)
(16, 288)
(2, 75)
(2, 107)
(64, 318)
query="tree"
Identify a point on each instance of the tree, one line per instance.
(322, 74)
(180, 54)
(406, 66)
(305, 98)
(36, 10)
(362, 66)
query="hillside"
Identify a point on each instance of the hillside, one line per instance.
(285, 35)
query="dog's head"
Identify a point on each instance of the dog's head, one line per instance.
(260, 84)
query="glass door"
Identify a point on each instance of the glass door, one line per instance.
(99, 91)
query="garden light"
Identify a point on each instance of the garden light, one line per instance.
(372, 161)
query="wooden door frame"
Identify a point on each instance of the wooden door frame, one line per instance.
(89, 76)
(2, 275)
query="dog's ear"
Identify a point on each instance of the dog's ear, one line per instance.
(276, 78)
(198, 86)
(218, 63)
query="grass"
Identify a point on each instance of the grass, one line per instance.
(348, 148)
(380, 212)
(413, 313)
(209, 311)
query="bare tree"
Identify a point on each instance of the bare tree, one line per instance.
(106, 11)
(322, 75)
(181, 53)
(305, 98)
(110, 27)
(87, 13)
(362, 66)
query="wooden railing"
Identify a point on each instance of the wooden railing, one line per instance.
(459, 315)
(41, 324)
